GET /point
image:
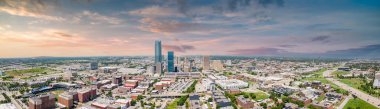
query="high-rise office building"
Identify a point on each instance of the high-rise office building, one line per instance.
(158, 57)
(191, 65)
(158, 68)
(158, 53)
(93, 66)
(170, 61)
(217, 65)
(206, 63)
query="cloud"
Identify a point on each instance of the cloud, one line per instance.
(30, 8)
(182, 5)
(266, 3)
(287, 46)
(320, 39)
(156, 11)
(326, 27)
(178, 48)
(98, 18)
(257, 51)
(165, 26)
(369, 51)
(61, 34)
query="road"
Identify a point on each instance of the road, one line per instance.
(14, 101)
(341, 106)
(366, 97)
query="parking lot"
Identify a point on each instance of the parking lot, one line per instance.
(179, 86)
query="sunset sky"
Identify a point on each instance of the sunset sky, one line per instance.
(190, 27)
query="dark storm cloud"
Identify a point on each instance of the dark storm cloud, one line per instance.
(368, 51)
(178, 48)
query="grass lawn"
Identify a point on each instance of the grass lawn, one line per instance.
(353, 82)
(209, 105)
(318, 76)
(339, 73)
(261, 96)
(354, 103)
(356, 83)
(18, 73)
(173, 105)
(58, 92)
(320, 98)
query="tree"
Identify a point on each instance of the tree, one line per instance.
(245, 96)
(133, 102)
(209, 99)
(264, 105)
(139, 97)
(253, 96)
(354, 96)
(109, 94)
(142, 104)
(182, 100)
(217, 106)
(187, 105)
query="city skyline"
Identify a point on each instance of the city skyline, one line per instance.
(196, 27)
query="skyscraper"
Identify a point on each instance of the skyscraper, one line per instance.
(158, 54)
(158, 57)
(170, 61)
(206, 63)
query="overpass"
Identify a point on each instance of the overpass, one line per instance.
(169, 95)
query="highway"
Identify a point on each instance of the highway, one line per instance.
(366, 97)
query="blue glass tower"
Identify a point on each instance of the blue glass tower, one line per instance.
(157, 53)
(170, 61)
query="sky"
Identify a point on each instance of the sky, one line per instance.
(334, 28)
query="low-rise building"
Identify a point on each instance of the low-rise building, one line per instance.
(244, 102)
(376, 82)
(85, 95)
(194, 101)
(334, 95)
(290, 106)
(131, 83)
(66, 100)
(117, 80)
(42, 102)
(231, 84)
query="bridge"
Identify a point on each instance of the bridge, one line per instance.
(168, 95)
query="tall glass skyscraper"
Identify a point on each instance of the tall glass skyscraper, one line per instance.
(157, 53)
(170, 61)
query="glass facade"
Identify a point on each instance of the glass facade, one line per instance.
(170, 61)
(157, 53)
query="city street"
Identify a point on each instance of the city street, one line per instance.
(366, 97)
(341, 106)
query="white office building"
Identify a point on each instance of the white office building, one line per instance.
(208, 84)
(231, 84)
(376, 82)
